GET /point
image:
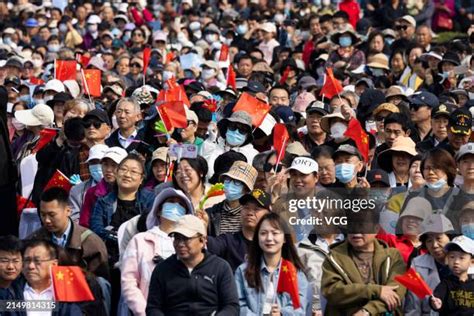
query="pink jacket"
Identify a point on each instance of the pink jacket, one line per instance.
(137, 266)
(92, 194)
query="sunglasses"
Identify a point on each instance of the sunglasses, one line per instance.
(137, 65)
(95, 123)
(240, 128)
(401, 27)
(268, 167)
(380, 118)
(415, 107)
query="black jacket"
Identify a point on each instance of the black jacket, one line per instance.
(209, 288)
(215, 215)
(113, 141)
(232, 247)
(456, 296)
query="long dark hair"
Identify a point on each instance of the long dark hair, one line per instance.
(255, 253)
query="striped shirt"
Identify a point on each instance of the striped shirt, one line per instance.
(230, 220)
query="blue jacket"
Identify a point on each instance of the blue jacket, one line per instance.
(251, 301)
(105, 207)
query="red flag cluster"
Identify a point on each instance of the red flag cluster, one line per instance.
(65, 69)
(224, 53)
(359, 136)
(70, 284)
(331, 86)
(285, 75)
(288, 282)
(175, 92)
(256, 108)
(414, 283)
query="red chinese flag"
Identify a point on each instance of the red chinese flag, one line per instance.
(46, 136)
(65, 69)
(175, 92)
(173, 114)
(285, 75)
(359, 136)
(146, 58)
(331, 86)
(288, 282)
(414, 283)
(92, 84)
(70, 285)
(224, 53)
(280, 139)
(83, 59)
(231, 77)
(169, 57)
(58, 180)
(22, 203)
(254, 107)
(36, 81)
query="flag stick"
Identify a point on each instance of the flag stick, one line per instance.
(55, 69)
(86, 86)
(279, 154)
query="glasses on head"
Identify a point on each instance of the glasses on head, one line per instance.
(401, 27)
(240, 128)
(8, 261)
(88, 124)
(178, 238)
(35, 261)
(136, 65)
(134, 173)
(268, 167)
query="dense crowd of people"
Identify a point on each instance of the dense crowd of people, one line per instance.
(198, 157)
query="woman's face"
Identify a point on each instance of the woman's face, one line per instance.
(414, 54)
(411, 225)
(377, 44)
(109, 170)
(123, 66)
(138, 37)
(433, 174)
(130, 175)
(397, 63)
(270, 238)
(135, 67)
(400, 162)
(188, 179)
(415, 174)
(302, 184)
(159, 170)
(435, 243)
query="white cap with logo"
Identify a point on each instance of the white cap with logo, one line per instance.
(304, 165)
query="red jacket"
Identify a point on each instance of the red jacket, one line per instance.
(402, 243)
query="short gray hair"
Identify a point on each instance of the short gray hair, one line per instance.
(136, 106)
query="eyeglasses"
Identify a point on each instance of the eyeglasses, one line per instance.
(240, 128)
(7, 261)
(268, 167)
(137, 65)
(134, 173)
(180, 238)
(401, 27)
(36, 261)
(88, 124)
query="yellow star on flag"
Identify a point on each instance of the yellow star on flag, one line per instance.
(60, 275)
(285, 269)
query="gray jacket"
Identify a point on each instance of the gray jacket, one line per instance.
(76, 198)
(425, 265)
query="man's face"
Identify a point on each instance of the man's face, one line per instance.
(279, 97)
(466, 167)
(439, 125)
(127, 115)
(251, 214)
(106, 41)
(55, 216)
(302, 184)
(313, 123)
(393, 131)
(315, 27)
(326, 27)
(188, 248)
(456, 140)
(202, 129)
(96, 130)
(338, 23)
(10, 265)
(37, 264)
(245, 67)
(361, 241)
(338, 103)
(349, 159)
(419, 113)
(404, 29)
(423, 36)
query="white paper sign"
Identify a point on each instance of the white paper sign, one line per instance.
(179, 151)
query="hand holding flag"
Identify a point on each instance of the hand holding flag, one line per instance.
(288, 282)
(414, 283)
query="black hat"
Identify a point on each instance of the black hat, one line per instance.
(449, 57)
(378, 175)
(14, 62)
(98, 114)
(59, 97)
(318, 107)
(347, 149)
(254, 87)
(263, 199)
(460, 122)
(441, 110)
(424, 98)
(12, 79)
(223, 163)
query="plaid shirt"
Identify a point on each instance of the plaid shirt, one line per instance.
(83, 165)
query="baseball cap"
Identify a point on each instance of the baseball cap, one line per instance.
(460, 121)
(285, 113)
(191, 116)
(160, 154)
(297, 149)
(54, 85)
(97, 152)
(59, 97)
(409, 19)
(259, 196)
(14, 62)
(116, 88)
(188, 226)
(465, 243)
(304, 165)
(98, 114)
(378, 175)
(117, 154)
(347, 149)
(318, 107)
(254, 86)
(159, 36)
(12, 80)
(307, 82)
(466, 149)
(424, 98)
(40, 115)
(94, 19)
(441, 110)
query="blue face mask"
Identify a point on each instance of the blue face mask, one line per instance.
(96, 172)
(233, 190)
(468, 230)
(345, 41)
(389, 41)
(27, 99)
(345, 172)
(438, 185)
(242, 29)
(172, 211)
(235, 138)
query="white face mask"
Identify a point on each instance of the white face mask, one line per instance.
(211, 38)
(17, 125)
(207, 74)
(48, 98)
(37, 63)
(182, 37)
(54, 48)
(167, 75)
(92, 28)
(338, 129)
(197, 34)
(228, 41)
